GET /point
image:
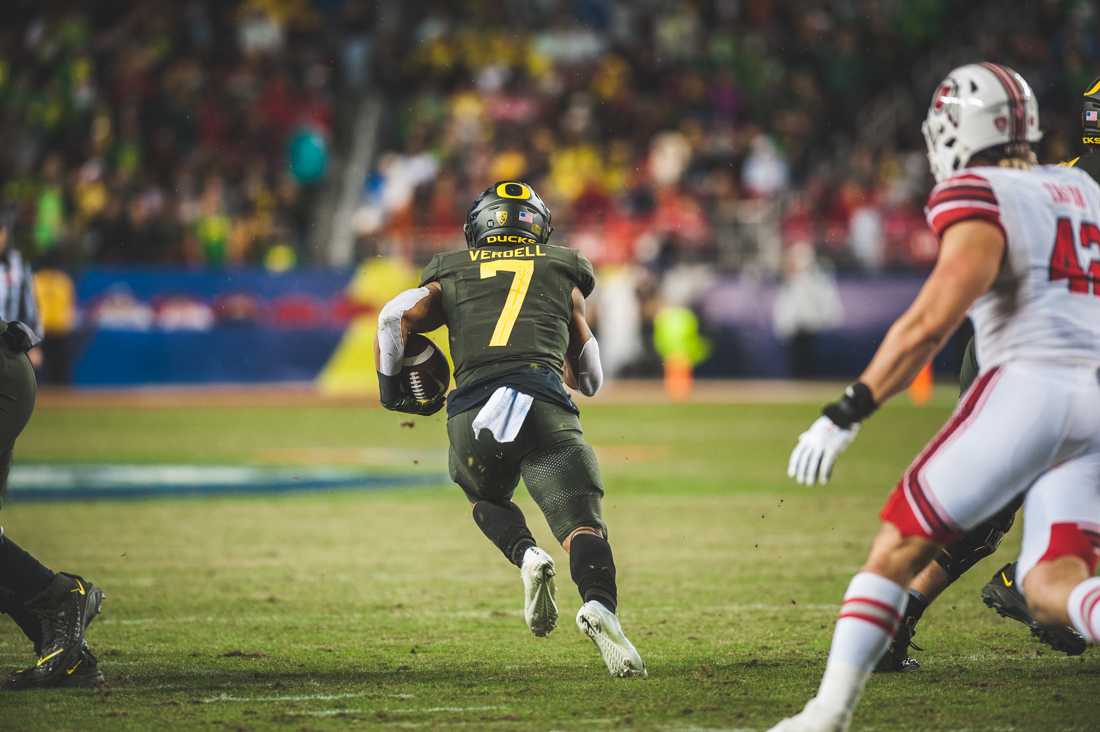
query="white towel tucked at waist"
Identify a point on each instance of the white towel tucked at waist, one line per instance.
(503, 414)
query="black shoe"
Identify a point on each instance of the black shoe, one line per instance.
(1001, 594)
(86, 675)
(66, 607)
(95, 604)
(897, 656)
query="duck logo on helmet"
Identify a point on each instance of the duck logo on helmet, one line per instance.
(514, 190)
(507, 208)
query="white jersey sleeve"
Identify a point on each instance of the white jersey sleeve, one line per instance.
(1045, 303)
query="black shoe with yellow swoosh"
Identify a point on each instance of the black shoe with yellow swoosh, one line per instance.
(86, 674)
(1001, 594)
(66, 607)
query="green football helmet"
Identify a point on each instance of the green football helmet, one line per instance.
(507, 212)
(1090, 115)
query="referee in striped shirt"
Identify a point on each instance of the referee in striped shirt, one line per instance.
(17, 299)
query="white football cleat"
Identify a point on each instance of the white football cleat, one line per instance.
(815, 718)
(539, 609)
(601, 625)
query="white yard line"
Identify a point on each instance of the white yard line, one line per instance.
(427, 710)
(325, 713)
(470, 614)
(226, 698)
(696, 728)
(439, 710)
(283, 698)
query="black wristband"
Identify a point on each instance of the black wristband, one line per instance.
(855, 405)
(389, 388)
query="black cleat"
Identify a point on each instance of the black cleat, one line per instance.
(86, 675)
(1000, 593)
(897, 656)
(65, 607)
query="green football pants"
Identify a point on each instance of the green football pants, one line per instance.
(17, 391)
(557, 465)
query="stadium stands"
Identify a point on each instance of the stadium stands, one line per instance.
(713, 131)
(691, 150)
(196, 132)
(170, 132)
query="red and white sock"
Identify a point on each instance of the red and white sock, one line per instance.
(869, 617)
(1084, 609)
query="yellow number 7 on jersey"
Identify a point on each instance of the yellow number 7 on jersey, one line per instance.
(523, 269)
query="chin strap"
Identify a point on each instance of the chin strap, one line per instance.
(391, 342)
(589, 371)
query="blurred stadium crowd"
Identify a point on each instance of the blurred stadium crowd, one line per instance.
(168, 132)
(659, 132)
(718, 160)
(717, 131)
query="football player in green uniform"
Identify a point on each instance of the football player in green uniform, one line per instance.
(1001, 592)
(514, 306)
(51, 608)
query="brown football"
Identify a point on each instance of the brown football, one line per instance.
(424, 368)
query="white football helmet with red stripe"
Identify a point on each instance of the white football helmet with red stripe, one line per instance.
(978, 106)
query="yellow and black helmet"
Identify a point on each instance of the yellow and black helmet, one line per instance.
(507, 212)
(1090, 115)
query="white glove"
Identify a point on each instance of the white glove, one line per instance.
(817, 449)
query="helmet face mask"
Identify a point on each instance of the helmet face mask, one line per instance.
(510, 210)
(977, 107)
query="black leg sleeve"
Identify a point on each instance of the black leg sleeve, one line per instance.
(505, 526)
(978, 543)
(28, 623)
(593, 568)
(20, 573)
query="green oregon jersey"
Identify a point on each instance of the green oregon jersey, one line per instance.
(508, 306)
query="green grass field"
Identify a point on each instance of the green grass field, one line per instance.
(388, 609)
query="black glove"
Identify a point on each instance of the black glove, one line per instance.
(396, 397)
(17, 337)
(854, 406)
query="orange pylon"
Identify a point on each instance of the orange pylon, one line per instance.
(679, 377)
(920, 391)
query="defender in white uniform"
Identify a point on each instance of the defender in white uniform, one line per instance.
(1034, 407)
(1020, 254)
(1032, 419)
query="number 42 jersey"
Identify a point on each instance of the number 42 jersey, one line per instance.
(508, 310)
(1045, 303)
